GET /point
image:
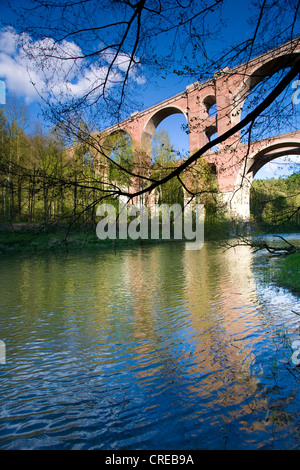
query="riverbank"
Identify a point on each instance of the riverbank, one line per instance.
(21, 238)
(288, 274)
(34, 237)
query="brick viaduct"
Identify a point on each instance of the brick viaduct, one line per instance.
(236, 163)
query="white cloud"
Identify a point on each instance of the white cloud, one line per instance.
(123, 62)
(8, 41)
(13, 69)
(57, 68)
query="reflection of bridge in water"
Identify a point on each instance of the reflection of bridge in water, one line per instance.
(227, 90)
(200, 302)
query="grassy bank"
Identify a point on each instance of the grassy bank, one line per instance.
(27, 238)
(288, 274)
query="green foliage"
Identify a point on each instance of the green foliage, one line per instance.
(275, 203)
(217, 225)
(118, 148)
(162, 151)
(172, 193)
(289, 272)
(39, 181)
(163, 162)
(122, 154)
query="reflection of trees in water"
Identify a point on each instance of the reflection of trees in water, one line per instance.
(183, 324)
(190, 314)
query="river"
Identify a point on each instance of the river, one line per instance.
(148, 347)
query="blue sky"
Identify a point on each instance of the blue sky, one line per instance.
(235, 13)
(14, 66)
(172, 86)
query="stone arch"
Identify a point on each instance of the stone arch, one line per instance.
(209, 101)
(154, 122)
(109, 140)
(240, 198)
(110, 171)
(258, 73)
(209, 104)
(269, 153)
(211, 131)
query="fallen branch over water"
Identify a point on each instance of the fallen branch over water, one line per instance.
(297, 313)
(258, 245)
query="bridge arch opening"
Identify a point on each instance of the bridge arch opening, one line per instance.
(210, 105)
(211, 134)
(173, 120)
(287, 154)
(281, 116)
(274, 193)
(166, 139)
(268, 69)
(286, 150)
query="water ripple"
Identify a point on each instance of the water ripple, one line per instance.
(156, 348)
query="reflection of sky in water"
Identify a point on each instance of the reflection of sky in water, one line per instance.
(279, 297)
(278, 301)
(282, 303)
(152, 347)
